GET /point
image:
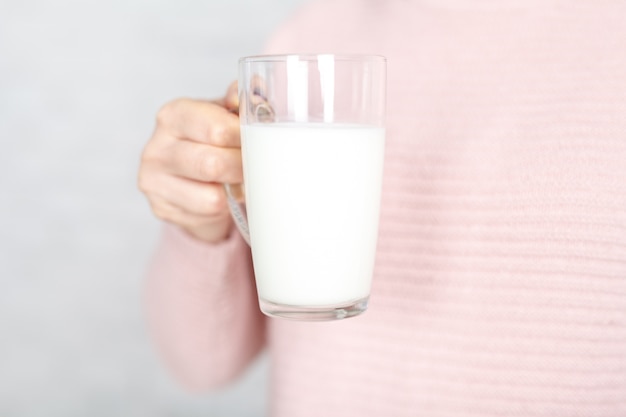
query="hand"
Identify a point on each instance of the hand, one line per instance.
(194, 149)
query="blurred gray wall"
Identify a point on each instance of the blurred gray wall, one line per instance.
(80, 82)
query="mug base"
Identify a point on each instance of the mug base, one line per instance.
(304, 313)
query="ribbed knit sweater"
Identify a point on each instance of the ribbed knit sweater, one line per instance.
(500, 279)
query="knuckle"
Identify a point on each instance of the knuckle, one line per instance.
(168, 111)
(214, 202)
(160, 211)
(219, 202)
(217, 133)
(164, 212)
(164, 114)
(159, 147)
(210, 166)
(220, 134)
(142, 183)
(150, 154)
(146, 180)
(152, 165)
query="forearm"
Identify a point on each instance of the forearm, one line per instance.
(202, 308)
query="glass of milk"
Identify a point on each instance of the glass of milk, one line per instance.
(312, 138)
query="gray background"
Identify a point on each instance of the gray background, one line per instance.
(80, 82)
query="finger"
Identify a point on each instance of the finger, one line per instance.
(202, 199)
(258, 87)
(231, 100)
(257, 104)
(192, 222)
(206, 163)
(200, 121)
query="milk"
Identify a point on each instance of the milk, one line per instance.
(313, 200)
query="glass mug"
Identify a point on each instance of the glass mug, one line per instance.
(312, 139)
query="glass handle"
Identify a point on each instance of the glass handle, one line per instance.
(237, 212)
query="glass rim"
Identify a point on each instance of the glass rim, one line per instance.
(313, 57)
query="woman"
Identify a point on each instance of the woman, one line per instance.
(500, 282)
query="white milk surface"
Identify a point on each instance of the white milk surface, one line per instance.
(313, 202)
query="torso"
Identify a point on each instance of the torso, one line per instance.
(500, 284)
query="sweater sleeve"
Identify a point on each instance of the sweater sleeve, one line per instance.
(202, 308)
(201, 300)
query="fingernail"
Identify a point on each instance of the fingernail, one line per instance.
(257, 92)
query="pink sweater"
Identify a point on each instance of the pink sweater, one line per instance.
(500, 282)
